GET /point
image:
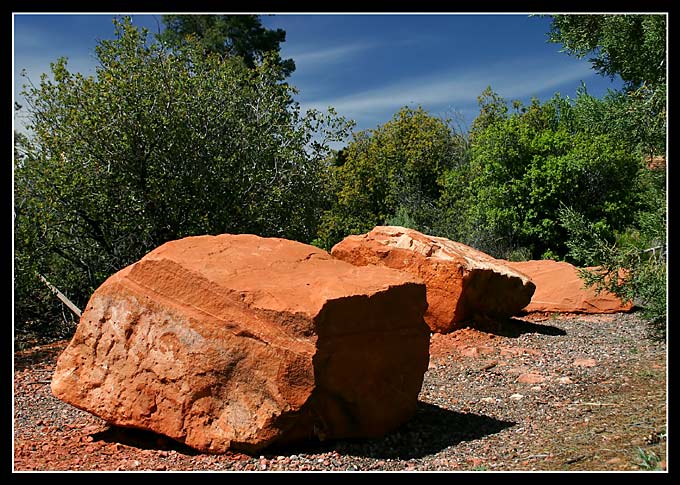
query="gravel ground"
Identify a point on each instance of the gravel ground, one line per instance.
(537, 393)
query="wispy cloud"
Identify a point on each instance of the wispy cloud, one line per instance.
(457, 89)
(309, 60)
(312, 59)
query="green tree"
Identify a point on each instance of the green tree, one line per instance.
(390, 175)
(632, 260)
(30, 311)
(637, 118)
(492, 109)
(156, 146)
(522, 167)
(633, 263)
(632, 46)
(233, 35)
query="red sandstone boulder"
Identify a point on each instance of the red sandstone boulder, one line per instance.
(462, 282)
(560, 289)
(239, 342)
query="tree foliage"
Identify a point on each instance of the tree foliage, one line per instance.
(525, 164)
(633, 263)
(390, 175)
(156, 146)
(199, 134)
(637, 118)
(232, 35)
(632, 46)
(632, 260)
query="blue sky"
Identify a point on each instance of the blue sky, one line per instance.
(367, 66)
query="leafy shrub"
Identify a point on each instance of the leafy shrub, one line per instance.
(158, 145)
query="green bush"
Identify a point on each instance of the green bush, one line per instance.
(391, 173)
(523, 166)
(633, 262)
(158, 145)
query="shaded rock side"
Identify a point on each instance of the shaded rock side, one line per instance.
(462, 282)
(236, 342)
(560, 289)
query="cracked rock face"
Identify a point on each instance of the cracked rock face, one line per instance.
(462, 282)
(236, 342)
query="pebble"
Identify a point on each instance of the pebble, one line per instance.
(585, 362)
(531, 378)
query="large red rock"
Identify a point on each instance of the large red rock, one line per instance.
(560, 289)
(239, 342)
(462, 282)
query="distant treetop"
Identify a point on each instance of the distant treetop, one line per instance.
(232, 35)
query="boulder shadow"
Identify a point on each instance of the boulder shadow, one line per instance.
(142, 439)
(431, 430)
(514, 327)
